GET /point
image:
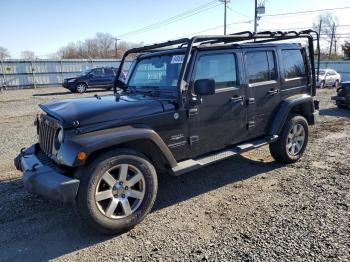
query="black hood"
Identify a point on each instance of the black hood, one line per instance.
(91, 110)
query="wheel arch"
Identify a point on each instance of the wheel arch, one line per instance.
(301, 104)
(144, 146)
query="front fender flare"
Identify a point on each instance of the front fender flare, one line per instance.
(97, 140)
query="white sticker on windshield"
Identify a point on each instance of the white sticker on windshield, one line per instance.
(177, 59)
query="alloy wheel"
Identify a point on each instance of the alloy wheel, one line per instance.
(120, 191)
(81, 88)
(295, 139)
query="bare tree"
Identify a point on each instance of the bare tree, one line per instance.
(4, 53)
(27, 54)
(102, 45)
(105, 43)
(326, 25)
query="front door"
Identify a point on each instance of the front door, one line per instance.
(96, 77)
(264, 89)
(220, 120)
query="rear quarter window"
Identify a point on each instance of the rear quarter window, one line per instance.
(293, 64)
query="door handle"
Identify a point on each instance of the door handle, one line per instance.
(273, 92)
(237, 99)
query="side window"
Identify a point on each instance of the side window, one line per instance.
(98, 72)
(293, 64)
(220, 67)
(261, 66)
(109, 72)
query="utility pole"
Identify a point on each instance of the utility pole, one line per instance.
(116, 46)
(320, 27)
(335, 46)
(225, 10)
(330, 47)
(256, 16)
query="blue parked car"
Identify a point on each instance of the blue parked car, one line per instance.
(102, 77)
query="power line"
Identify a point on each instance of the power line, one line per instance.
(239, 13)
(216, 27)
(310, 11)
(173, 19)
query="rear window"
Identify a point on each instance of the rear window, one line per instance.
(261, 66)
(293, 64)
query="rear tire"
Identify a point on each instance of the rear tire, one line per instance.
(322, 84)
(292, 141)
(117, 190)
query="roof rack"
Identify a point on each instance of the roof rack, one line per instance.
(245, 36)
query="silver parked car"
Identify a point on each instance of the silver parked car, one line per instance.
(328, 77)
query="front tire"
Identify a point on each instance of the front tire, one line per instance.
(336, 84)
(117, 190)
(292, 141)
(81, 88)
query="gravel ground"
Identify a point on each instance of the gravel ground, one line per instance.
(247, 208)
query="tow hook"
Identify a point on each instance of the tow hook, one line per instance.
(22, 151)
(34, 167)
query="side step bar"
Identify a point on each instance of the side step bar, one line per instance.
(193, 164)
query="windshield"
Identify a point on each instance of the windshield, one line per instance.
(322, 72)
(157, 71)
(85, 72)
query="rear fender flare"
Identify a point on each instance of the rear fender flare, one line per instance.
(302, 104)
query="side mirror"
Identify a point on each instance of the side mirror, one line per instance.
(90, 75)
(120, 84)
(204, 87)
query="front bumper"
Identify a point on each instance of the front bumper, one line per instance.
(69, 85)
(43, 179)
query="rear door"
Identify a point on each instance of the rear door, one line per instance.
(263, 87)
(220, 120)
(109, 77)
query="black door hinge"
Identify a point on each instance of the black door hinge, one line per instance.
(192, 112)
(251, 124)
(250, 100)
(193, 139)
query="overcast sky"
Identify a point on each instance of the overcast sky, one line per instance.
(44, 26)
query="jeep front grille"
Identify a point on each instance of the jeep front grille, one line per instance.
(46, 133)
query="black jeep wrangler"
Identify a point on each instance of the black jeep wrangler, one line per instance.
(186, 104)
(342, 99)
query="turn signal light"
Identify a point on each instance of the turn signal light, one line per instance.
(81, 156)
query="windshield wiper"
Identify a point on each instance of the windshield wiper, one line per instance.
(154, 90)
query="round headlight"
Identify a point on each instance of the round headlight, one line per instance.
(59, 138)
